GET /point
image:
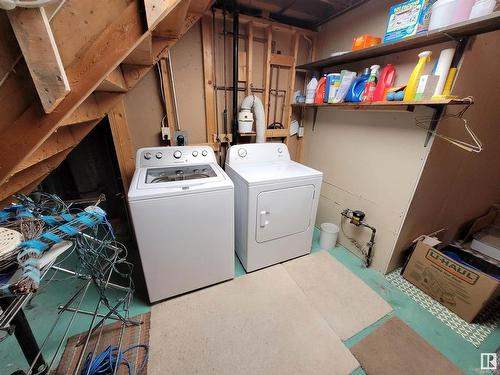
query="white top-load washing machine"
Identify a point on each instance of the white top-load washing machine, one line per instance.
(275, 204)
(181, 203)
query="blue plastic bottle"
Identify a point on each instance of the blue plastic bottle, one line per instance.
(355, 93)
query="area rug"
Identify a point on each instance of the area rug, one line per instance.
(344, 300)
(133, 335)
(474, 333)
(394, 349)
(259, 323)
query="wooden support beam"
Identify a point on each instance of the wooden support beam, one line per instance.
(57, 142)
(156, 10)
(169, 99)
(249, 58)
(208, 76)
(63, 139)
(107, 51)
(267, 70)
(114, 82)
(282, 60)
(25, 190)
(291, 83)
(39, 48)
(87, 111)
(172, 25)
(143, 53)
(27, 176)
(125, 151)
(199, 6)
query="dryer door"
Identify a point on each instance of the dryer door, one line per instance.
(283, 212)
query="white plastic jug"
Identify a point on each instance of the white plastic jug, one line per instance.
(311, 90)
(328, 236)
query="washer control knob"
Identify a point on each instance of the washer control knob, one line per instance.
(280, 150)
(159, 155)
(204, 153)
(242, 152)
(147, 155)
(195, 153)
(177, 154)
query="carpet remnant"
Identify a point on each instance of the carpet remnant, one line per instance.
(345, 301)
(133, 335)
(260, 323)
(474, 333)
(395, 349)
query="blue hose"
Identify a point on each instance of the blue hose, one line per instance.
(105, 362)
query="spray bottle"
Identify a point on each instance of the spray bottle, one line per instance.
(371, 84)
(411, 87)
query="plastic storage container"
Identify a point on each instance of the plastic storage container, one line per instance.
(328, 236)
(311, 90)
(320, 90)
(385, 82)
(355, 93)
(447, 12)
(482, 8)
(462, 11)
(411, 87)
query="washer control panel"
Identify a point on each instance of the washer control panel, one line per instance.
(257, 152)
(156, 156)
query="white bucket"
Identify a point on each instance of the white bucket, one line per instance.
(328, 236)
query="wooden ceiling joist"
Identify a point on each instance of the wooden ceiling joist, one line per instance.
(36, 143)
(108, 50)
(87, 111)
(34, 35)
(28, 175)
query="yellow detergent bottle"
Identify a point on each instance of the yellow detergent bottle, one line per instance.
(411, 87)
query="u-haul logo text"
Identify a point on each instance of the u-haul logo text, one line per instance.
(451, 267)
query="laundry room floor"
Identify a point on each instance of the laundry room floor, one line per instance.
(454, 347)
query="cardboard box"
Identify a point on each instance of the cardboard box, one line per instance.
(407, 19)
(462, 289)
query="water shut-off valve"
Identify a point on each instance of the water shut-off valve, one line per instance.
(357, 217)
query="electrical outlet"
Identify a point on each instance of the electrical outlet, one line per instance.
(165, 133)
(300, 132)
(180, 138)
(223, 138)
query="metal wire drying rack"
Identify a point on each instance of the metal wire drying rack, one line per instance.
(116, 312)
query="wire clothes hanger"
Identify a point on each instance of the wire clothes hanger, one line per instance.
(427, 122)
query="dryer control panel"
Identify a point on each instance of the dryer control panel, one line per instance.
(161, 156)
(257, 153)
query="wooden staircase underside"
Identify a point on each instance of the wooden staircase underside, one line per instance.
(106, 48)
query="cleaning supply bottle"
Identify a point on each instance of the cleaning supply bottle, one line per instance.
(320, 90)
(411, 87)
(371, 84)
(356, 90)
(334, 80)
(311, 90)
(329, 79)
(385, 82)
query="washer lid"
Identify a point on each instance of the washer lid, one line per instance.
(177, 180)
(260, 173)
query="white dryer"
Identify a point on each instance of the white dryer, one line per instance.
(182, 208)
(275, 204)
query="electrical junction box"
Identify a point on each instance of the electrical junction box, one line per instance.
(462, 288)
(180, 138)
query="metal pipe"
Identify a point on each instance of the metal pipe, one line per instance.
(236, 31)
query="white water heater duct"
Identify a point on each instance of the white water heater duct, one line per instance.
(252, 102)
